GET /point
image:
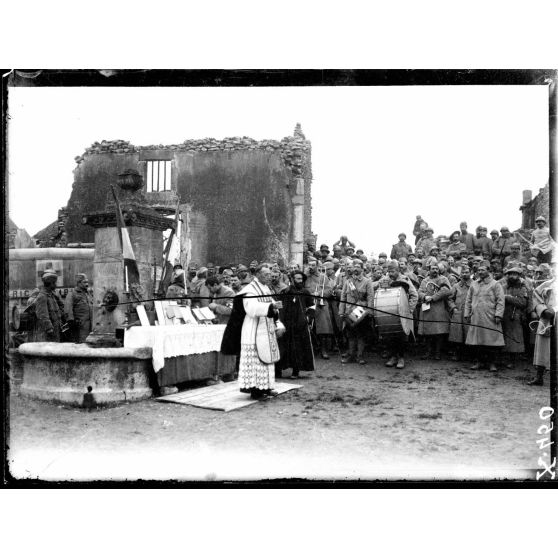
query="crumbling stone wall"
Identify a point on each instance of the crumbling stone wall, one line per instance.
(12, 232)
(302, 162)
(539, 205)
(240, 187)
(54, 235)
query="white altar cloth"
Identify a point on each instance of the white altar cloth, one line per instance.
(174, 340)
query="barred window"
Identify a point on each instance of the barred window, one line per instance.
(158, 176)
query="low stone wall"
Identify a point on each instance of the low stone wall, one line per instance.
(15, 368)
(61, 373)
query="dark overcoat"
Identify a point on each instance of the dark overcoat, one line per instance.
(49, 312)
(434, 321)
(297, 344)
(230, 344)
(322, 317)
(485, 301)
(514, 314)
(456, 303)
(79, 308)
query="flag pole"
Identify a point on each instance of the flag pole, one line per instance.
(119, 223)
(167, 249)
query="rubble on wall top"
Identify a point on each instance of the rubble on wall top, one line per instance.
(236, 142)
(298, 131)
(292, 148)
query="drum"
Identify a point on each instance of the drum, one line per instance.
(356, 316)
(391, 312)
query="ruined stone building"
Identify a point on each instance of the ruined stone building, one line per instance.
(240, 199)
(531, 207)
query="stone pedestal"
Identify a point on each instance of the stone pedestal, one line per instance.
(145, 228)
(108, 265)
(61, 373)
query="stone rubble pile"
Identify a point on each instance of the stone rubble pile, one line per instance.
(293, 149)
(106, 146)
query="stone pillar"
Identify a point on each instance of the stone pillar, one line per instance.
(145, 227)
(108, 265)
(108, 275)
(297, 238)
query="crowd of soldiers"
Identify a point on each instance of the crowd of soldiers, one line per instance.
(464, 291)
(472, 298)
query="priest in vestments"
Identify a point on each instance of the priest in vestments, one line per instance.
(255, 376)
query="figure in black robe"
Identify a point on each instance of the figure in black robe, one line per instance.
(297, 344)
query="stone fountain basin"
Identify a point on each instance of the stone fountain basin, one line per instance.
(61, 372)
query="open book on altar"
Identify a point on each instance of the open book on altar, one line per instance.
(203, 315)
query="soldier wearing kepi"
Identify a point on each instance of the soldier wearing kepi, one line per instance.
(277, 286)
(222, 299)
(49, 310)
(401, 249)
(456, 247)
(515, 258)
(433, 316)
(396, 344)
(356, 290)
(321, 286)
(484, 311)
(191, 278)
(244, 275)
(514, 314)
(466, 237)
(545, 302)
(456, 303)
(342, 244)
(417, 230)
(427, 241)
(79, 309)
(324, 252)
(542, 243)
(501, 248)
(177, 287)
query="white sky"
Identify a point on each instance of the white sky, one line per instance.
(380, 155)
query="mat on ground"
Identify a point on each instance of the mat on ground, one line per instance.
(220, 397)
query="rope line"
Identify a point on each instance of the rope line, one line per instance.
(290, 295)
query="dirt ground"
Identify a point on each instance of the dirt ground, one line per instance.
(432, 420)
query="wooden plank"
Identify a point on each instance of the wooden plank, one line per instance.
(200, 392)
(221, 397)
(230, 405)
(207, 395)
(209, 392)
